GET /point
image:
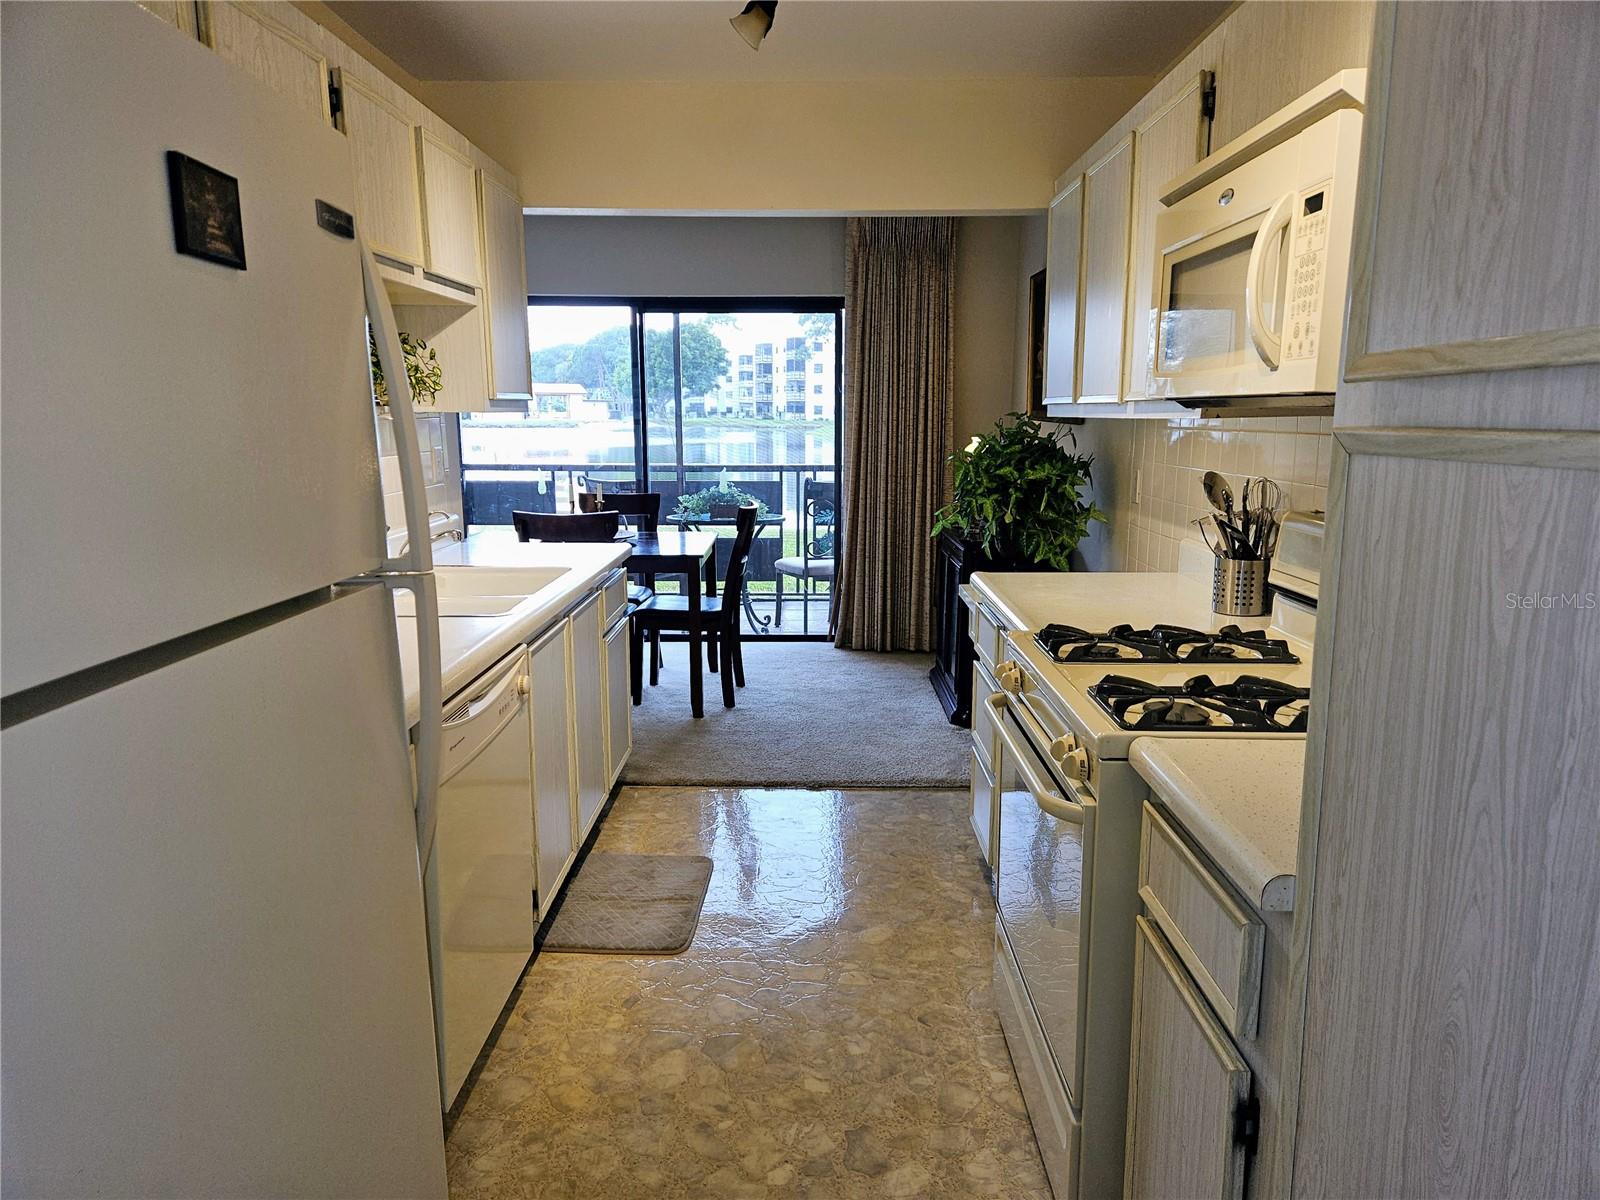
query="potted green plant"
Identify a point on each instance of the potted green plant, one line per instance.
(1019, 494)
(422, 369)
(698, 504)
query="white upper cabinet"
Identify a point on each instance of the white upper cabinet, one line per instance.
(383, 144)
(1063, 263)
(249, 36)
(1107, 201)
(1170, 141)
(505, 286)
(449, 210)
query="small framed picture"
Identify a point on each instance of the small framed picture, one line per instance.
(205, 211)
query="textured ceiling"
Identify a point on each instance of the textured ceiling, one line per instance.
(811, 39)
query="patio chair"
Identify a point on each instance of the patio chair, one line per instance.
(815, 562)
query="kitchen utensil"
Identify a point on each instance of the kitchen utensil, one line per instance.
(1209, 540)
(1218, 492)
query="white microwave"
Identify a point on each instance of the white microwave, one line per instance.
(1253, 256)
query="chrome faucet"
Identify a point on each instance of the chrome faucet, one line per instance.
(456, 534)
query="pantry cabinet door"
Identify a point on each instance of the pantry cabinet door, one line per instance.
(505, 284)
(1184, 1086)
(1063, 263)
(388, 184)
(249, 37)
(449, 210)
(1169, 142)
(1477, 236)
(1107, 199)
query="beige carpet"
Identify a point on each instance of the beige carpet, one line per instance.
(810, 715)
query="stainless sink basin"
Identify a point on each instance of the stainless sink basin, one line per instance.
(483, 591)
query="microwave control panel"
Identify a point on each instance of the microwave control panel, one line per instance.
(1308, 257)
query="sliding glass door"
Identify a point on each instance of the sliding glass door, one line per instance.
(710, 403)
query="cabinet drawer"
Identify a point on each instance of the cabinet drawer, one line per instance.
(985, 737)
(614, 597)
(986, 631)
(1216, 936)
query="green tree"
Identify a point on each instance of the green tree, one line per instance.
(705, 360)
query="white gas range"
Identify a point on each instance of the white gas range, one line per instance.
(1066, 836)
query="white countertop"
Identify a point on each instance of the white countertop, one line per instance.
(1096, 600)
(1239, 799)
(469, 646)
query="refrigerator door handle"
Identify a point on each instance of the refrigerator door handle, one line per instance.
(428, 742)
(418, 554)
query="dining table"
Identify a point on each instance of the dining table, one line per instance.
(692, 554)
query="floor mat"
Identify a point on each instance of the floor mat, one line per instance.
(631, 904)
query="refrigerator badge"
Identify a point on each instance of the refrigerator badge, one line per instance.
(335, 220)
(205, 211)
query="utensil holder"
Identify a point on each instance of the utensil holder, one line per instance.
(1239, 587)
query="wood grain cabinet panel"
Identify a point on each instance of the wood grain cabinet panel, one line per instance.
(388, 183)
(250, 37)
(1186, 1082)
(505, 288)
(1216, 936)
(1477, 243)
(1063, 263)
(449, 210)
(1167, 143)
(1107, 213)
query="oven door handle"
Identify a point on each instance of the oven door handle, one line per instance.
(1049, 799)
(1267, 341)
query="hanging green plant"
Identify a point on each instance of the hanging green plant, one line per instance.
(1018, 493)
(422, 369)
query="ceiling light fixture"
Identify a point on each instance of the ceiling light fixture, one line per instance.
(755, 22)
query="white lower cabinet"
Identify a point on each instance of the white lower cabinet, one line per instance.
(619, 701)
(1187, 1087)
(554, 802)
(589, 713)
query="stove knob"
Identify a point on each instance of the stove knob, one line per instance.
(1063, 746)
(1076, 765)
(1010, 677)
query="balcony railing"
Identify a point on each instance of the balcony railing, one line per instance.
(491, 491)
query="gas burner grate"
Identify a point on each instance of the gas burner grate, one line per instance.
(1249, 704)
(1163, 644)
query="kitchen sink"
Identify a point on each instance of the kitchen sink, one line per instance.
(482, 591)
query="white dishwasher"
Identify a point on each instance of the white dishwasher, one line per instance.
(479, 882)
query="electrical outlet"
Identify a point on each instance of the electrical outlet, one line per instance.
(1138, 486)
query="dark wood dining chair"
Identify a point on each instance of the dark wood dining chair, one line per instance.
(717, 620)
(642, 510)
(566, 527)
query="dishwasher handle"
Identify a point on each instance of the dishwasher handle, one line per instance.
(469, 728)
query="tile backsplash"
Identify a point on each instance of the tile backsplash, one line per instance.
(441, 452)
(1147, 478)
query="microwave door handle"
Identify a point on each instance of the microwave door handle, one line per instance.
(1267, 341)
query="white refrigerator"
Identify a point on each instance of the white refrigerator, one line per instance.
(215, 975)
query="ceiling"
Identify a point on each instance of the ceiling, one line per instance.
(682, 40)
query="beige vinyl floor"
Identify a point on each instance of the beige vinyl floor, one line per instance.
(830, 1032)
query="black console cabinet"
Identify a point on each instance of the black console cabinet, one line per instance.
(955, 560)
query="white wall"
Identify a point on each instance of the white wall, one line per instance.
(987, 250)
(684, 256)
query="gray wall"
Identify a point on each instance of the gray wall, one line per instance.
(685, 256)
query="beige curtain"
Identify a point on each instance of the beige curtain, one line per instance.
(899, 328)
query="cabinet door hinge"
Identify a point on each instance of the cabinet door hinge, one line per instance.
(1208, 97)
(1246, 1124)
(336, 99)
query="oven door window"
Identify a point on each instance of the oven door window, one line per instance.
(1202, 325)
(1041, 890)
